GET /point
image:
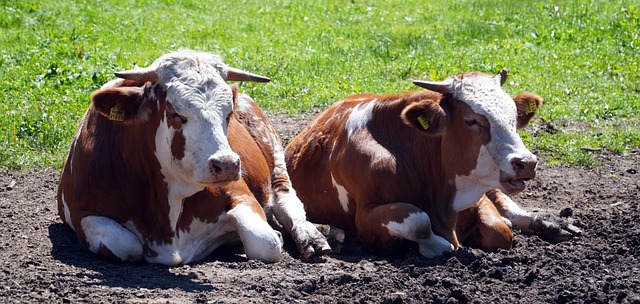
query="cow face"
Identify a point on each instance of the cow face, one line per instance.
(189, 104)
(199, 106)
(478, 121)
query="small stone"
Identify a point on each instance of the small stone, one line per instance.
(566, 212)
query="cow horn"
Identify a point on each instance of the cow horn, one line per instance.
(142, 75)
(503, 76)
(240, 75)
(442, 87)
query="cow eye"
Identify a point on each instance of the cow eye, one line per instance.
(471, 122)
(178, 117)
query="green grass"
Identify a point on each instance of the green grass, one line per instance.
(581, 56)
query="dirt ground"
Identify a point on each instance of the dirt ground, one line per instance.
(42, 261)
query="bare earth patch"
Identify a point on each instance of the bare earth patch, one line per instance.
(41, 260)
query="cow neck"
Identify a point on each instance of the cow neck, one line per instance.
(177, 188)
(129, 174)
(421, 165)
(438, 185)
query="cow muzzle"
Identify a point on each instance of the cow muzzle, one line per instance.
(524, 169)
(223, 168)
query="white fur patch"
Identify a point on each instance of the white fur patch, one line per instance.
(289, 210)
(484, 177)
(359, 117)
(245, 103)
(409, 229)
(259, 240)
(193, 244)
(103, 231)
(164, 136)
(518, 217)
(179, 187)
(343, 195)
(67, 213)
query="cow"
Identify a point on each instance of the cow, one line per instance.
(169, 162)
(415, 167)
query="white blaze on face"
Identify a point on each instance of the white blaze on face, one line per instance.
(485, 97)
(196, 91)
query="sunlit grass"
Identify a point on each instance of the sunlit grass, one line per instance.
(581, 56)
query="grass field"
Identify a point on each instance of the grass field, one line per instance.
(581, 56)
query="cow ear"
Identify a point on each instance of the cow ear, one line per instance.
(120, 105)
(527, 104)
(426, 116)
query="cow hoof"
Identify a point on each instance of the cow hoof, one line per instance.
(310, 241)
(553, 229)
(335, 237)
(435, 246)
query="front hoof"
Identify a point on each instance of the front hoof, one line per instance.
(554, 230)
(335, 237)
(310, 241)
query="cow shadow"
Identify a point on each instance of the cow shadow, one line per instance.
(67, 249)
(404, 254)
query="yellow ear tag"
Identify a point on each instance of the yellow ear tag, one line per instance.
(423, 122)
(531, 106)
(116, 113)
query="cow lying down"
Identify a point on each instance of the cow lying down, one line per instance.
(416, 166)
(170, 162)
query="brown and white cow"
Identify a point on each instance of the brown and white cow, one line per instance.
(169, 163)
(409, 167)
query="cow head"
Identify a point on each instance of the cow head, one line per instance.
(186, 101)
(477, 122)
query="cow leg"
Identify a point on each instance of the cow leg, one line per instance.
(548, 228)
(334, 235)
(259, 240)
(399, 221)
(483, 227)
(283, 204)
(109, 239)
(289, 212)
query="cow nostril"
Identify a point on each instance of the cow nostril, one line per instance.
(524, 168)
(224, 166)
(518, 165)
(215, 169)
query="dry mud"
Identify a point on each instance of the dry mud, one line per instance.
(42, 261)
